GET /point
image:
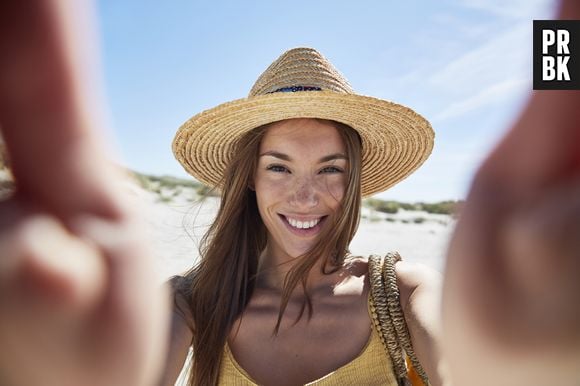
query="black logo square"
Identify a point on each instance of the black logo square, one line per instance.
(556, 54)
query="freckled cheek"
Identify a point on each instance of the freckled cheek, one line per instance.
(271, 186)
(335, 189)
(274, 190)
(270, 191)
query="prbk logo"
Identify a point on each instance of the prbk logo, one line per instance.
(556, 54)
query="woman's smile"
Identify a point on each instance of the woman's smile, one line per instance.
(299, 182)
(307, 227)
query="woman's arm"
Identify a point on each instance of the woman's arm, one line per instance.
(77, 301)
(179, 343)
(180, 338)
(511, 312)
(420, 294)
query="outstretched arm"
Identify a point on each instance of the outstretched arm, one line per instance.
(78, 305)
(420, 296)
(180, 338)
(511, 297)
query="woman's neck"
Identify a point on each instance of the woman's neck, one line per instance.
(274, 265)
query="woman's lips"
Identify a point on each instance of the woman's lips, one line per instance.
(303, 232)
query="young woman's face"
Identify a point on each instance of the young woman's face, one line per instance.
(299, 181)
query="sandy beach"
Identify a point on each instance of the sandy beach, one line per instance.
(177, 220)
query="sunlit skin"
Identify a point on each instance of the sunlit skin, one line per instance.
(301, 176)
(111, 330)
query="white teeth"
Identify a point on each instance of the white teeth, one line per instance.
(302, 224)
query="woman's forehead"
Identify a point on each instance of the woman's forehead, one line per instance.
(302, 134)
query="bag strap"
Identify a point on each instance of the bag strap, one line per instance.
(389, 320)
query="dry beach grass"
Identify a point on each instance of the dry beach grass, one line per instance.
(178, 212)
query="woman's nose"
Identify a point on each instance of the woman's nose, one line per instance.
(304, 194)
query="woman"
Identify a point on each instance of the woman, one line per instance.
(277, 299)
(85, 311)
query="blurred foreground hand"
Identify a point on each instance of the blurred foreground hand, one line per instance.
(512, 293)
(78, 301)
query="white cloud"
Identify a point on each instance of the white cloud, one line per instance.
(499, 68)
(512, 9)
(490, 57)
(500, 91)
(506, 54)
(478, 67)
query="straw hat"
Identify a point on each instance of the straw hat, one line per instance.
(302, 83)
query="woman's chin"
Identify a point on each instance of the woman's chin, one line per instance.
(292, 249)
(296, 251)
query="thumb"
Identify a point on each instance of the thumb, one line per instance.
(44, 262)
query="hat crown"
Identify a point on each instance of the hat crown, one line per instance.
(301, 67)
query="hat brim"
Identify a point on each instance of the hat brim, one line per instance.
(395, 139)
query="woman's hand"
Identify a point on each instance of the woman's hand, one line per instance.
(78, 301)
(512, 285)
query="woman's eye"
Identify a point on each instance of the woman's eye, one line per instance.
(277, 168)
(331, 169)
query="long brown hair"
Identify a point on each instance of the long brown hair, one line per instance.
(221, 285)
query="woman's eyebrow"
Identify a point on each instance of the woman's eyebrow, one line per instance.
(277, 154)
(286, 157)
(334, 156)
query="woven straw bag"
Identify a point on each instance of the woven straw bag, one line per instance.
(390, 322)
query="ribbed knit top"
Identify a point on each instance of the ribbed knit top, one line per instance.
(371, 367)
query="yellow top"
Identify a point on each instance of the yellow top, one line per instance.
(371, 367)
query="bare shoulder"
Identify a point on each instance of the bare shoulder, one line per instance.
(412, 275)
(420, 297)
(181, 308)
(351, 278)
(415, 280)
(357, 265)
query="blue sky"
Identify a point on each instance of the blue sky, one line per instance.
(465, 65)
